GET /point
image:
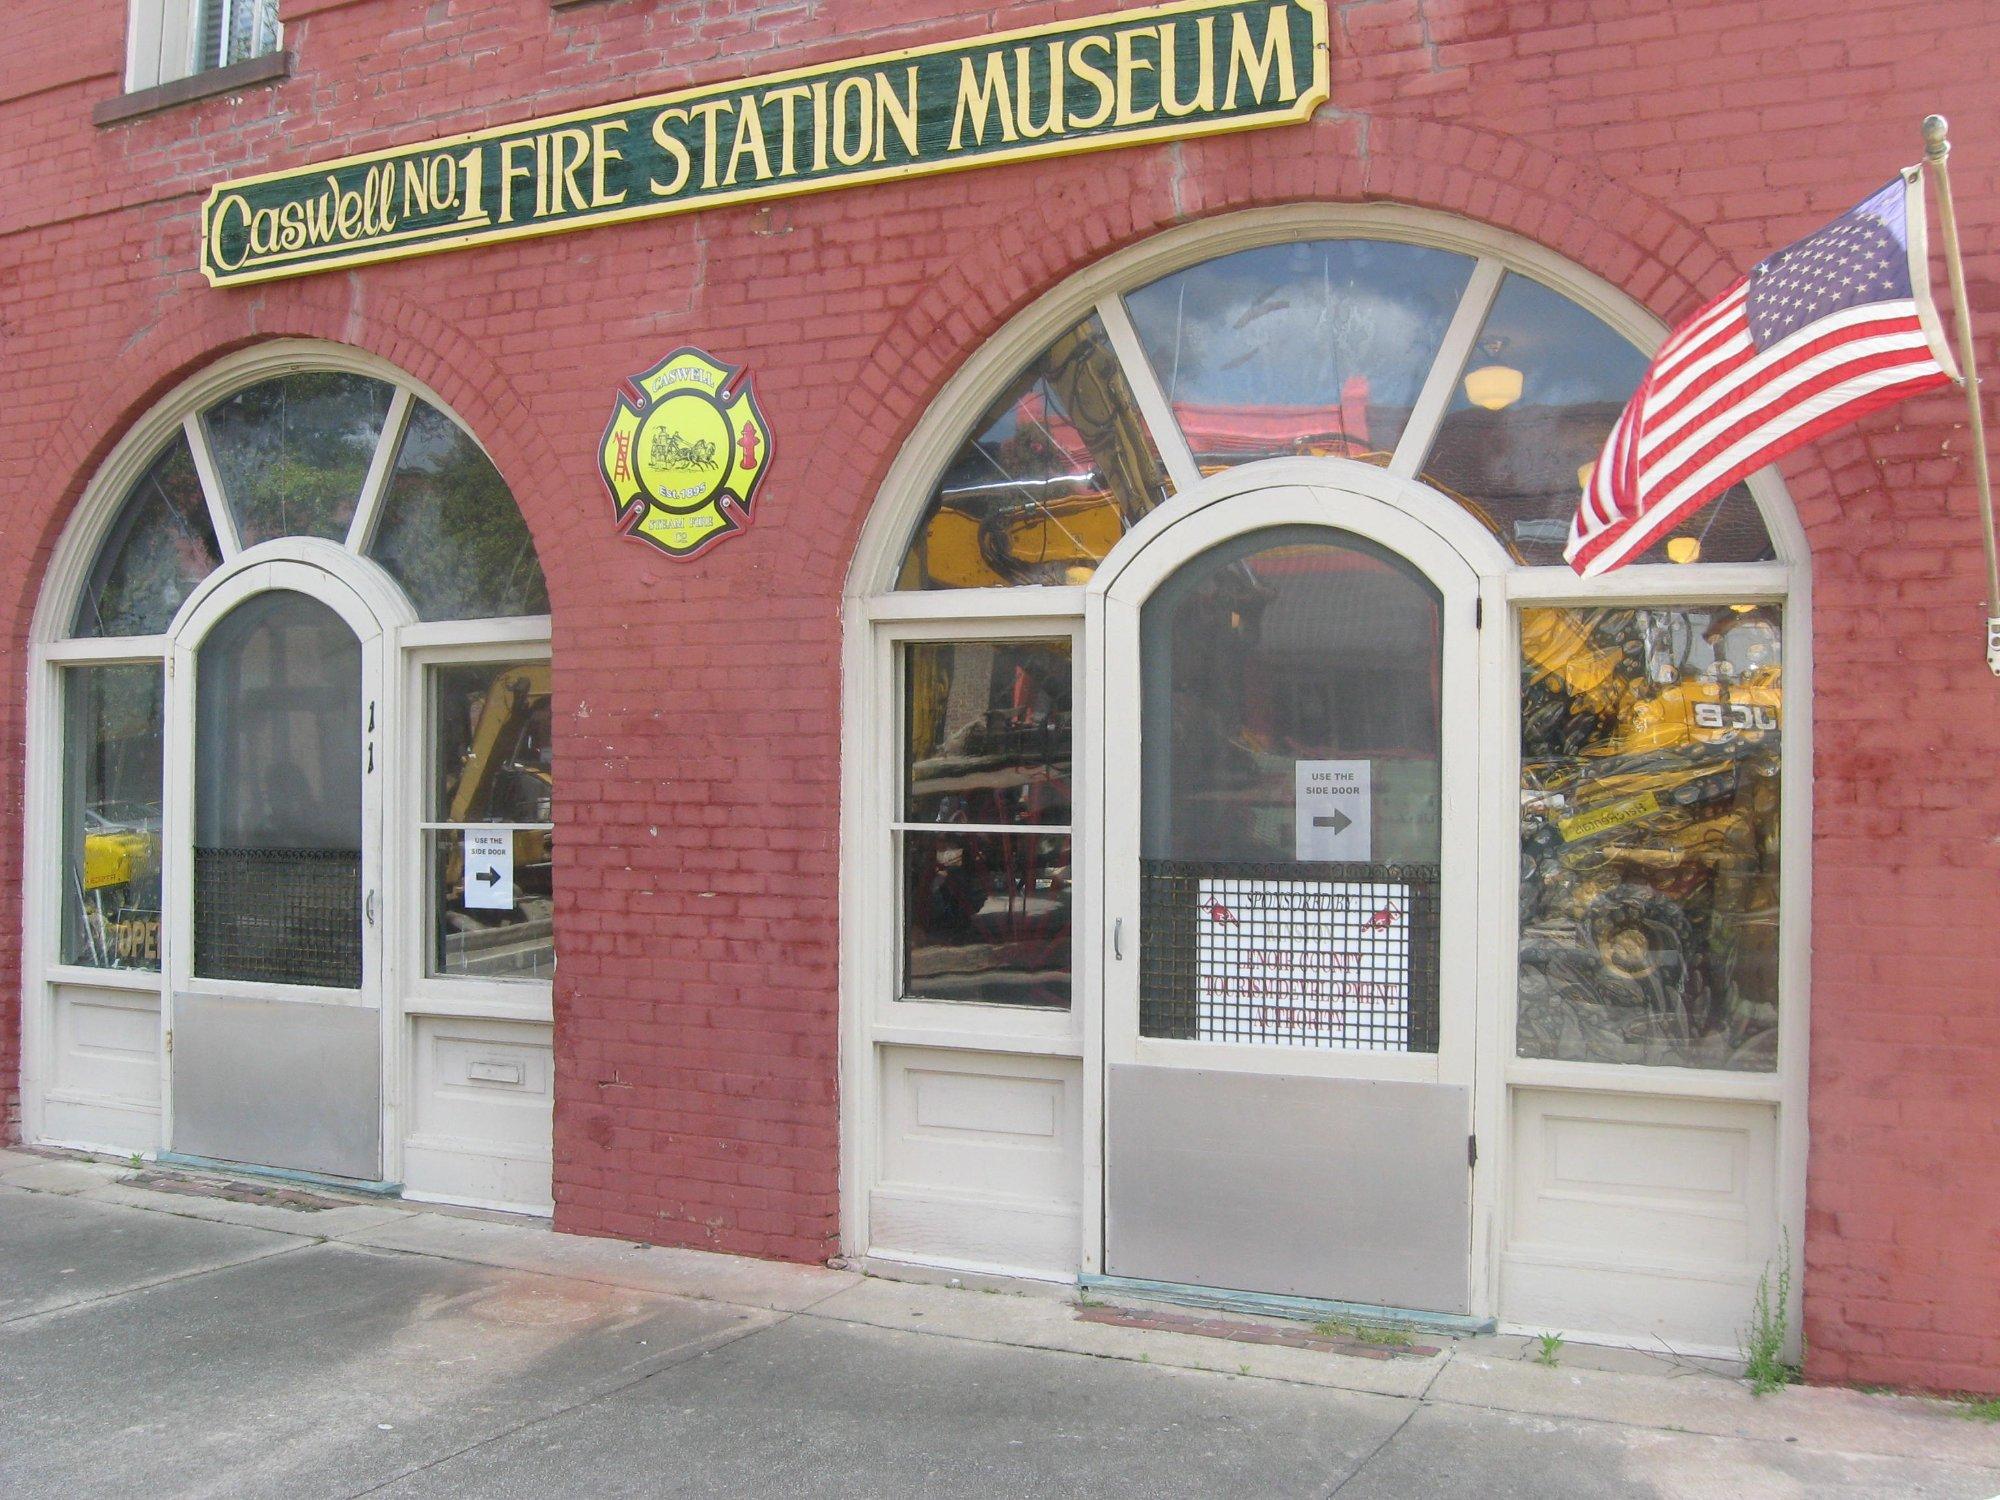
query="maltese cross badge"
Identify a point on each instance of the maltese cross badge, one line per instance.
(683, 460)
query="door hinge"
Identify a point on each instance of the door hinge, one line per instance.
(1479, 612)
(1472, 1151)
(170, 1039)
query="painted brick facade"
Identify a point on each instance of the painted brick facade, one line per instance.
(1663, 144)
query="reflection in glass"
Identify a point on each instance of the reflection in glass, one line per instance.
(1318, 347)
(1294, 644)
(1649, 835)
(158, 549)
(1060, 466)
(1539, 394)
(291, 453)
(491, 764)
(988, 732)
(111, 816)
(986, 916)
(277, 857)
(450, 531)
(493, 756)
(512, 942)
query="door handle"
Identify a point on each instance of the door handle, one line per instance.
(371, 908)
(1118, 939)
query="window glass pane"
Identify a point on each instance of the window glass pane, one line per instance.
(987, 732)
(492, 760)
(986, 916)
(291, 453)
(450, 532)
(511, 941)
(233, 30)
(1288, 646)
(1289, 814)
(1060, 466)
(1529, 415)
(1649, 835)
(158, 549)
(111, 816)
(277, 858)
(1317, 347)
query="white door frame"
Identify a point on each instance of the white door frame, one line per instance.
(1468, 566)
(373, 608)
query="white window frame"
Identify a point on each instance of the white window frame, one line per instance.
(161, 37)
(872, 605)
(499, 643)
(409, 646)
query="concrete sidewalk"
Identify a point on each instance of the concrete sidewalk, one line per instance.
(156, 1337)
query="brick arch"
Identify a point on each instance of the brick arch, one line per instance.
(1098, 205)
(205, 327)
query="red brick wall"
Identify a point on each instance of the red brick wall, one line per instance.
(1664, 144)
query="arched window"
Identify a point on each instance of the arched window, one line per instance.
(1131, 576)
(1489, 385)
(293, 668)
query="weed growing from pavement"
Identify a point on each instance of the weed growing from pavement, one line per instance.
(1361, 1333)
(1551, 1345)
(1764, 1363)
(1980, 1408)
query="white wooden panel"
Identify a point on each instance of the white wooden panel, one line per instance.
(481, 1103)
(1640, 1218)
(105, 1086)
(979, 1160)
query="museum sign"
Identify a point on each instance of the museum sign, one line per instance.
(1135, 76)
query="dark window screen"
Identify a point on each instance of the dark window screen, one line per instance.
(1275, 665)
(277, 854)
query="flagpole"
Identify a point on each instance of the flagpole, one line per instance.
(1936, 149)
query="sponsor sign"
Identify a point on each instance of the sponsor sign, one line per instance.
(1169, 71)
(1304, 963)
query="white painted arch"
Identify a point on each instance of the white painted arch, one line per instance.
(877, 617)
(398, 648)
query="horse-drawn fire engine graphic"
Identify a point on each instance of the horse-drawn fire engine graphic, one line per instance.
(684, 453)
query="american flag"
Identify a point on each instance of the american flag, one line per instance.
(1816, 336)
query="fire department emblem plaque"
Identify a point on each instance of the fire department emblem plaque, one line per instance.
(685, 452)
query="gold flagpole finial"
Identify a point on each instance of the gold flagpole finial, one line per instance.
(1936, 147)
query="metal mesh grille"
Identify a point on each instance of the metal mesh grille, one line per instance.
(278, 916)
(1338, 956)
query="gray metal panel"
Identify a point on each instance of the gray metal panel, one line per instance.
(279, 1083)
(1334, 1188)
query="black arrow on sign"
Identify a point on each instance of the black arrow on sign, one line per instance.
(489, 877)
(1339, 822)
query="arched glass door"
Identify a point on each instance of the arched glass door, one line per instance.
(277, 805)
(1288, 1083)
(277, 1041)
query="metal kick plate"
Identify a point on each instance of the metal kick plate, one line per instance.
(1340, 1189)
(279, 1083)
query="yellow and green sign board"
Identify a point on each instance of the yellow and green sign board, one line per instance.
(1194, 68)
(684, 460)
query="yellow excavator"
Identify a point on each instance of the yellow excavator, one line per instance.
(505, 775)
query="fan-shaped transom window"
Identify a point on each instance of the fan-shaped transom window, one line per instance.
(1475, 378)
(371, 466)
(330, 454)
